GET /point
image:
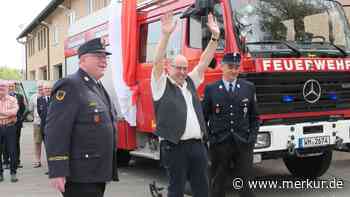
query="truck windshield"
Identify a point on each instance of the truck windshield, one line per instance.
(306, 25)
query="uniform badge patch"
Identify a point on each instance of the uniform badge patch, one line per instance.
(97, 119)
(217, 108)
(60, 94)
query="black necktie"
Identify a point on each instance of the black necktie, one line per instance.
(102, 91)
(230, 89)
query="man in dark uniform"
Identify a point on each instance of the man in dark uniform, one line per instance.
(230, 109)
(43, 105)
(80, 132)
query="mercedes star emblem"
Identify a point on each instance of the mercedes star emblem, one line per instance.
(312, 91)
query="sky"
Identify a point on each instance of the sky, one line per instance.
(15, 14)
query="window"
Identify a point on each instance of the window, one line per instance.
(39, 41)
(55, 35)
(195, 33)
(44, 38)
(31, 46)
(106, 2)
(90, 6)
(151, 34)
(71, 17)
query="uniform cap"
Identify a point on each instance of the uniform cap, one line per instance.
(93, 46)
(231, 58)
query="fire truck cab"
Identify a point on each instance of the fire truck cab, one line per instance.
(294, 51)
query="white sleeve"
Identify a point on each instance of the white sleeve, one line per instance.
(196, 77)
(31, 103)
(158, 86)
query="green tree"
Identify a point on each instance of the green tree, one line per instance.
(10, 73)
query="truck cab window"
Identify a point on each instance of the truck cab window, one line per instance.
(195, 30)
(150, 35)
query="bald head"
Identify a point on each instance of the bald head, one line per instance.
(178, 69)
(12, 86)
(47, 86)
(180, 60)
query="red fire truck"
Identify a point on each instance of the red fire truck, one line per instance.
(294, 51)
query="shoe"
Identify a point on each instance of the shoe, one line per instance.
(6, 166)
(19, 166)
(1, 178)
(37, 164)
(14, 178)
(46, 173)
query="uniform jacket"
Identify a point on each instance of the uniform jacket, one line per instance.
(80, 131)
(21, 109)
(42, 107)
(231, 115)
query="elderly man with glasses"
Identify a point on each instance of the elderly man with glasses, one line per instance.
(80, 128)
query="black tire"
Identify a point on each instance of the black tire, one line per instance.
(309, 167)
(123, 158)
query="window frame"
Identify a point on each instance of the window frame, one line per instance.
(222, 34)
(143, 42)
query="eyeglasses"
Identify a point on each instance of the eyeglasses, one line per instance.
(98, 55)
(180, 68)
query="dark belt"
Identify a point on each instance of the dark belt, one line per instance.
(7, 125)
(190, 141)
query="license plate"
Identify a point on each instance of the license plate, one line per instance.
(314, 141)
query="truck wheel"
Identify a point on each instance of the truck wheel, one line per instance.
(123, 157)
(309, 167)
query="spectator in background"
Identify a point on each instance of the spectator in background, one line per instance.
(19, 125)
(43, 105)
(20, 118)
(37, 132)
(8, 119)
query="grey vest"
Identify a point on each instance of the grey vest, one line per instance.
(171, 112)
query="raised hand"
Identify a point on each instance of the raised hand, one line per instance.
(168, 26)
(213, 26)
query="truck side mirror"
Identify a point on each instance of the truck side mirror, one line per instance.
(243, 41)
(200, 8)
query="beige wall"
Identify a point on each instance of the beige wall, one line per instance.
(38, 60)
(57, 20)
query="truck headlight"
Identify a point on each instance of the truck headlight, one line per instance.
(263, 140)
